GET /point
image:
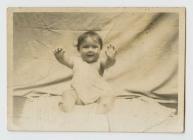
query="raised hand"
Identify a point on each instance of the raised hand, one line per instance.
(59, 53)
(110, 51)
(63, 57)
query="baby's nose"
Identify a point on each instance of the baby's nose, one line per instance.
(90, 48)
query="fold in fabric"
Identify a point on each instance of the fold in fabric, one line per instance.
(147, 43)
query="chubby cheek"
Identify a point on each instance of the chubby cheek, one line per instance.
(90, 58)
(83, 52)
(83, 55)
(98, 51)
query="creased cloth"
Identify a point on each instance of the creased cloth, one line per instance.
(147, 58)
(146, 65)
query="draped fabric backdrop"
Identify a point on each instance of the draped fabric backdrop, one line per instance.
(146, 66)
(147, 43)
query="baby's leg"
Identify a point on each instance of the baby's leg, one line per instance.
(105, 104)
(68, 101)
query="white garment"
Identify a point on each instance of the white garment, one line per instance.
(88, 84)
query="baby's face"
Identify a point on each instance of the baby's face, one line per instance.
(90, 50)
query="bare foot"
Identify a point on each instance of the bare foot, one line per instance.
(105, 105)
(64, 108)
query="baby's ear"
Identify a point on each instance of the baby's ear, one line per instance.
(77, 47)
(75, 43)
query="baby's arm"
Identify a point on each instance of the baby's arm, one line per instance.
(63, 57)
(110, 57)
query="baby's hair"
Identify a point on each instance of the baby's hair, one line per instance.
(83, 36)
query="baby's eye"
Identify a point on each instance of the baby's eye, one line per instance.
(94, 46)
(85, 46)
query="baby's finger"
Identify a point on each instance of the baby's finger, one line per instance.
(107, 52)
(59, 50)
(115, 51)
(112, 46)
(109, 48)
(55, 51)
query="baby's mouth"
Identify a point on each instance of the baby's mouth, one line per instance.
(90, 55)
(90, 58)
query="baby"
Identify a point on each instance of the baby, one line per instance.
(88, 85)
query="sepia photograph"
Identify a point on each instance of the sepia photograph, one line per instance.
(96, 69)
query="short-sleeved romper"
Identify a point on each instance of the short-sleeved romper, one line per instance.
(87, 83)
